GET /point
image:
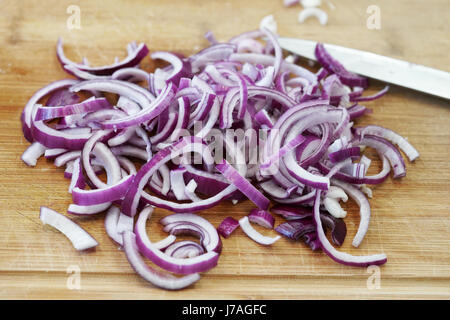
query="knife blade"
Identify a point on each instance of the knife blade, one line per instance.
(399, 72)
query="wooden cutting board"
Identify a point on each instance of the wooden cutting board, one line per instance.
(410, 217)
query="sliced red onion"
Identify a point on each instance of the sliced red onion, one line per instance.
(54, 152)
(177, 183)
(66, 157)
(200, 263)
(104, 155)
(27, 117)
(388, 150)
(130, 151)
(129, 90)
(124, 223)
(306, 13)
(33, 153)
(227, 226)
(133, 59)
(212, 119)
(111, 220)
(261, 217)
(77, 179)
(294, 230)
(184, 249)
(166, 242)
(232, 175)
(288, 147)
(364, 209)
(210, 37)
(127, 105)
(273, 189)
(52, 138)
(123, 137)
(255, 235)
(69, 170)
(131, 74)
(338, 256)
(183, 118)
(190, 191)
(187, 144)
(88, 210)
(62, 97)
(304, 199)
(166, 131)
(216, 52)
(333, 66)
(180, 68)
(393, 137)
(343, 154)
(98, 196)
(337, 226)
(80, 238)
(373, 97)
(267, 60)
(278, 53)
(374, 179)
(155, 277)
(306, 134)
(313, 148)
(211, 240)
(291, 212)
(288, 3)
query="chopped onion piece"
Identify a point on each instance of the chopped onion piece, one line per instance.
(79, 237)
(255, 235)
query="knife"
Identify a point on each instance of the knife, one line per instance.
(402, 73)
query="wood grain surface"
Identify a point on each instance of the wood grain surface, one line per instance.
(410, 217)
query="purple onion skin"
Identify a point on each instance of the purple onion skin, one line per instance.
(337, 226)
(227, 226)
(262, 218)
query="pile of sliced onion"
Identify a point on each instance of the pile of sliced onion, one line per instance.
(143, 139)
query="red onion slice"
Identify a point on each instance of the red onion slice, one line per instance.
(184, 250)
(227, 226)
(157, 278)
(52, 138)
(46, 113)
(135, 192)
(111, 220)
(180, 68)
(77, 179)
(200, 263)
(33, 153)
(80, 238)
(134, 58)
(332, 65)
(26, 116)
(211, 238)
(243, 185)
(255, 235)
(88, 210)
(393, 137)
(343, 154)
(388, 150)
(261, 217)
(338, 256)
(294, 230)
(98, 196)
(364, 209)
